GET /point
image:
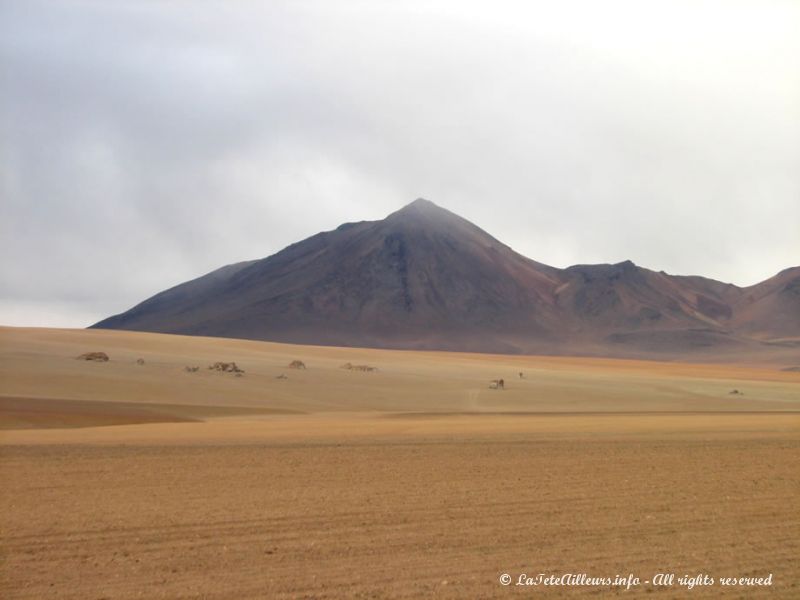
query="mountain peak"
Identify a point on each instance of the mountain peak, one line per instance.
(421, 206)
(421, 203)
(424, 211)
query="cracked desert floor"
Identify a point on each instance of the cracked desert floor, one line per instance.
(127, 480)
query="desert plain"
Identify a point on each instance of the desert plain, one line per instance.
(138, 478)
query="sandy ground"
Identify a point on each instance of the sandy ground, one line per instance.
(122, 480)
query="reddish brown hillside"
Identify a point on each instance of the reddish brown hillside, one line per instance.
(426, 278)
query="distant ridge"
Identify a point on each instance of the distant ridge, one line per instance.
(425, 278)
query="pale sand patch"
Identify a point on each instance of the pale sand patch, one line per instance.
(41, 364)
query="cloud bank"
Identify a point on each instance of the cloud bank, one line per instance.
(145, 143)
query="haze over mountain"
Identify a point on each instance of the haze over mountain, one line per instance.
(425, 278)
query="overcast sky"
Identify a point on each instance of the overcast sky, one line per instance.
(145, 143)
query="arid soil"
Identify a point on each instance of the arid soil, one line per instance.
(121, 480)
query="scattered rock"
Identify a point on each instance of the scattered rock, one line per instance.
(364, 368)
(139, 361)
(297, 364)
(225, 367)
(497, 384)
(736, 393)
(192, 369)
(282, 376)
(95, 356)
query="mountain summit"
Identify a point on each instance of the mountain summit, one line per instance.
(425, 278)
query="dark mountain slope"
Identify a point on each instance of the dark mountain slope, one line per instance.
(425, 278)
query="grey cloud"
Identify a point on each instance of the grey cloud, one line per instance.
(145, 143)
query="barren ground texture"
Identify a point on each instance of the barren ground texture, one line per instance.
(415, 479)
